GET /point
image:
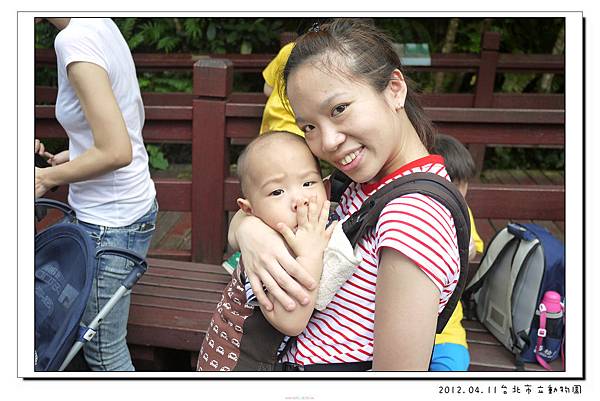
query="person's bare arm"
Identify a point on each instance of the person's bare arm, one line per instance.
(112, 145)
(308, 242)
(268, 262)
(267, 89)
(406, 311)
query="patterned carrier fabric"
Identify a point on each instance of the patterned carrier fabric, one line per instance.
(220, 349)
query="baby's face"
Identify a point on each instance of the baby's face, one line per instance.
(281, 180)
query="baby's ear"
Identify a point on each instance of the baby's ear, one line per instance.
(245, 205)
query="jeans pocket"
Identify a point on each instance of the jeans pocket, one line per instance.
(141, 236)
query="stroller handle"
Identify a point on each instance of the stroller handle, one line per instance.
(139, 268)
(42, 203)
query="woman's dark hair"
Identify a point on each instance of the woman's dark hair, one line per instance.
(459, 162)
(369, 56)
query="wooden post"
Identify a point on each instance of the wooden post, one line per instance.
(213, 83)
(484, 91)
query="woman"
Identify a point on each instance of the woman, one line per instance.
(351, 100)
(106, 167)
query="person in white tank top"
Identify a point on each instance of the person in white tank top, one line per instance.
(106, 166)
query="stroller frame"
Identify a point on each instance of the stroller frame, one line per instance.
(85, 333)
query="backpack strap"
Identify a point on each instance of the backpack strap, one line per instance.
(431, 185)
(338, 184)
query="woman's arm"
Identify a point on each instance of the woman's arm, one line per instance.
(406, 311)
(112, 146)
(268, 262)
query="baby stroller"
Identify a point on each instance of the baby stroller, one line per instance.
(65, 264)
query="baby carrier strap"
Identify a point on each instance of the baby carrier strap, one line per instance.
(428, 184)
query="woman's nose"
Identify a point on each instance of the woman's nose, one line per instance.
(331, 139)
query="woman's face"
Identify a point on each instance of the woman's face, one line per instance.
(347, 122)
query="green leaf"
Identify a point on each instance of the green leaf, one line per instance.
(211, 32)
(246, 47)
(156, 158)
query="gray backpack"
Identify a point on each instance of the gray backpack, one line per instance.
(522, 269)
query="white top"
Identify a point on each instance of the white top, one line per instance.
(120, 197)
(417, 226)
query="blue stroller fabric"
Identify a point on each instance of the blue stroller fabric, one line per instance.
(65, 266)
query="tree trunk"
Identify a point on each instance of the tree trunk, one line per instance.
(559, 48)
(446, 48)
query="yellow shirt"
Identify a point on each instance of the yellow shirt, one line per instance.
(276, 117)
(454, 332)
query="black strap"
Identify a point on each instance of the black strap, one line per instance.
(324, 367)
(338, 184)
(436, 187)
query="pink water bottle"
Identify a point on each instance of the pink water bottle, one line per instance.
(551, 301)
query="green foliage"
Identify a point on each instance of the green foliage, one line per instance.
(156, 158)
(202, 35)
(524, 158)
(518, 83)
(166, 81)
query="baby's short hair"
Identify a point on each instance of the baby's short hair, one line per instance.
(244, 168)
(458, 160)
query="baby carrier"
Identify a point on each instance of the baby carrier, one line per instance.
(239, 337)
(65, 265)
(518, 293)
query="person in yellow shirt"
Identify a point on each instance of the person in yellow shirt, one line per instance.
(277, 115)
(451, 352)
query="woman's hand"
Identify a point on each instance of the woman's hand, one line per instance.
(41, 150)
(59, 158)
(41, 182)
(269, 264)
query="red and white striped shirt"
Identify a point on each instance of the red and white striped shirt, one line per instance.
(415, 225)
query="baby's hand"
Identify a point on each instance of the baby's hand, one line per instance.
(311, 236)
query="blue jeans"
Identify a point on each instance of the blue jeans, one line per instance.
(108, 351)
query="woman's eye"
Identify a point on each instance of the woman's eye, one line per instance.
(277, 192)
(309, 183)
(339, 109)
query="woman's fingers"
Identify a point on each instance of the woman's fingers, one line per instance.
(257, 288)
(276, 292)
(286, 233)
(38, 147)
(301, 278)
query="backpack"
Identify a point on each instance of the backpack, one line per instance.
(239, 338)
(518, 293)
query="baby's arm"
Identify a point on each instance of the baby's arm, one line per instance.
(308, 243)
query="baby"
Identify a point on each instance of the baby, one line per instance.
(282, 185)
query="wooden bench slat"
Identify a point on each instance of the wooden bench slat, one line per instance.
(182, 284)
(186, 266)
(166, 273)
(177, 293)
(202, 306)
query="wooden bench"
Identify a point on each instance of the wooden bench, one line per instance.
(173, 302)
